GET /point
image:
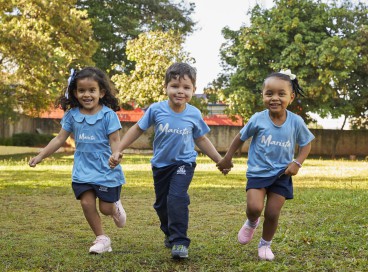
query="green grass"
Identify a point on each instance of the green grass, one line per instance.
(42, 227)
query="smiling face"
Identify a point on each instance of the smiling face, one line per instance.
(88, 94)
(179, 91)
(277, 95)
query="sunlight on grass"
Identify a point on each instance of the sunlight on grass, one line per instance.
(38, 209)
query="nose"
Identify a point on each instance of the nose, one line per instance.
(275, 97)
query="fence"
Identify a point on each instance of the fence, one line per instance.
(327, 142)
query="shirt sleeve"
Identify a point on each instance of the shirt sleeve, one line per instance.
(113, 122)
(147, 119)
(249, 129)
(304, 136)
(67, 122)
(201, 128)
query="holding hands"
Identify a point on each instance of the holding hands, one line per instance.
(225, 165)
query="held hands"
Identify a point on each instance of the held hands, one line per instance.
(115, 159)
(225, 166)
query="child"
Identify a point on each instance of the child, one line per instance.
(178, 126)
(89, 103)
(275, 133)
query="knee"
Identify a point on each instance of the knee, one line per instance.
(254, 210)
(87, 203)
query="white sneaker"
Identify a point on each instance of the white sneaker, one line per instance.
(119, 216)
(265, 253)
(101, 244)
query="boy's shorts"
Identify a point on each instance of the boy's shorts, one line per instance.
(280, 184)
(107, 194)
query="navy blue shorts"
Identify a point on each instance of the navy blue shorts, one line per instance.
(280, 184)
(107, 194)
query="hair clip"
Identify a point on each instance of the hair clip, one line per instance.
(288, 73)
(70, 80)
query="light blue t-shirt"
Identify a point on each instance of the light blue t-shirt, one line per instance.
(272, 147)
(174, 133)
(91, 135)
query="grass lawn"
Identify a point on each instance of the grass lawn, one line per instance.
(42, 227)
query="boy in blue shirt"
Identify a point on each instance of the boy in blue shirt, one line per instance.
(178, 127)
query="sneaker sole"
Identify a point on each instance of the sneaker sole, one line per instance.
(96, 252)
(177, 257)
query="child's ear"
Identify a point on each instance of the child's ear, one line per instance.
(194, 89)
(292, 98)
(102, 93)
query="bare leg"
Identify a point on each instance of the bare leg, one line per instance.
(88, 203)
(255, 203)
(107, 208)
(272, 212)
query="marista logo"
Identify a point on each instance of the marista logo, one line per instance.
(166, 129)
(268, 141)
(86, 137)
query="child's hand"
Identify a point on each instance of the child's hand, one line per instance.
(292, 169)
(224, 166)
(34, 161)
(225, 171)
(115, 159)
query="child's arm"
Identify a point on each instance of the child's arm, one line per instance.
(226, 163)
(294, 166)
(114, 139)
(132, 134)
(207, 148)
(52, 146)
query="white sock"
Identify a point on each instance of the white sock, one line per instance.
(264, 243)
(251, 224)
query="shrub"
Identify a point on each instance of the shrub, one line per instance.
(30, 139)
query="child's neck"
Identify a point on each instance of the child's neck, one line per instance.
(278, 118)
(90, 111)
(175, 108)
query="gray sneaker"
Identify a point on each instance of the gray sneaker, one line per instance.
(179, 252)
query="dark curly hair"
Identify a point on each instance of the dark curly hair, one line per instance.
(67, 100)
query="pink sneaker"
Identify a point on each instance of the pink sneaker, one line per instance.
(246, 233)
(265, 253)
(101, 244)
(119, 216)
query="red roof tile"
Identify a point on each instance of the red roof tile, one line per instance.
(136, 114)
(222, 120)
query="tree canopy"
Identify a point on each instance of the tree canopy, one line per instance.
(152, 52)
(325, 45)
(39, 41)
(115, 22)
